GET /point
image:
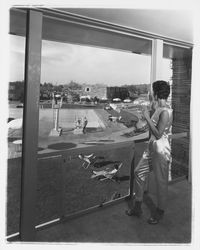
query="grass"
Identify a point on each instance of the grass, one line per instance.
(66, 187)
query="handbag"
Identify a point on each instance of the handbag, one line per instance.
(162, 146)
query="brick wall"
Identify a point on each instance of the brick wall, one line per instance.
(181, 88)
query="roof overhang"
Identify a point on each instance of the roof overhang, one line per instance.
(59, 25)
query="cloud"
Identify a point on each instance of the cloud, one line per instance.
(63, 62)
(17, 44)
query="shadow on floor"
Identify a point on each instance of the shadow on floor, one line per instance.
(62, 145)
(103, 163)
(112, 225)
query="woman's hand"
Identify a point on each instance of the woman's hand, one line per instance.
(150, 96)
(154, 105)
(153, 102)
(145, 113)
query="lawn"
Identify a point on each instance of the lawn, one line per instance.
(66, 187)
(63, 185)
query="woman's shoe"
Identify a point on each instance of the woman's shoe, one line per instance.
(132, 212)
(136, 211)
(153, 221)
(158, 215)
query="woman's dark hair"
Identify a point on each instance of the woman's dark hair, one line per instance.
(161, 89)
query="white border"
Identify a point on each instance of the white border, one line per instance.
(195, 105)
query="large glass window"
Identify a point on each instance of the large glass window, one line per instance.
(93, 85)
(100, 87)
(90, 96)
(15, 119)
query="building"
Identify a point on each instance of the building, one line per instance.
(96, 90)
(117, 92)
(16, 91)
(103, 92)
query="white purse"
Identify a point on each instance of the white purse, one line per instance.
(162, 146)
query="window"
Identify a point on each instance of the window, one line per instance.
(85, 80)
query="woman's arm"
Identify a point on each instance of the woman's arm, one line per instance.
(153, 104)
(162, 123)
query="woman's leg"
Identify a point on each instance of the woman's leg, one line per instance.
(161, 171)
(141, 173)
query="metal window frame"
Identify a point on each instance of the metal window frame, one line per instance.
(30, 125)
(92, 22)
(156, 60)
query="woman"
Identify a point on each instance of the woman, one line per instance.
(85, 122)
(157, 155)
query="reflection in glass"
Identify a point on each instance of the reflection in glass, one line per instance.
(88, 96)
(14, 123)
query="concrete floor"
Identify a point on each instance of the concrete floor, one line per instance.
(112, 225)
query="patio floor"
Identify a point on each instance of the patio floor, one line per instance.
(111, 224)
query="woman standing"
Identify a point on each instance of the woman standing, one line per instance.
(157, 156)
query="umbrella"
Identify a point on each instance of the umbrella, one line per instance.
(15, 124)
(15, 128)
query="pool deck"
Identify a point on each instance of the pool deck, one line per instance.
(82, 141)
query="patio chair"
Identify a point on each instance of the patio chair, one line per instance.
(107, 173)
(88, 159)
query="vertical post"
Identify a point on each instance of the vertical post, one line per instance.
(62, 188)
(57, 119)
(30, 125)
(156, 60)
(132, 177)
(132, 173)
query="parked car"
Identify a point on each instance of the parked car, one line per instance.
(107, 107)
(21, 105)
(127, 100)
(116, 100)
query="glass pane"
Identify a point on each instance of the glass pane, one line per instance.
(103, 89)
(106, 179)
(16, 97)
(67, 184)
(92, 86)
(49, 189)
(107, 87)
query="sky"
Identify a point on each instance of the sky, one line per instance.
(63, 62)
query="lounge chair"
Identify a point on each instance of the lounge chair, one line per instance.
(107, 173)
(88, 159)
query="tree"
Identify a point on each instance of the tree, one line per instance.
(96, 99)
(74, 86)
(16, 90)
(58, 88)
(87, 99)
(75, 97)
